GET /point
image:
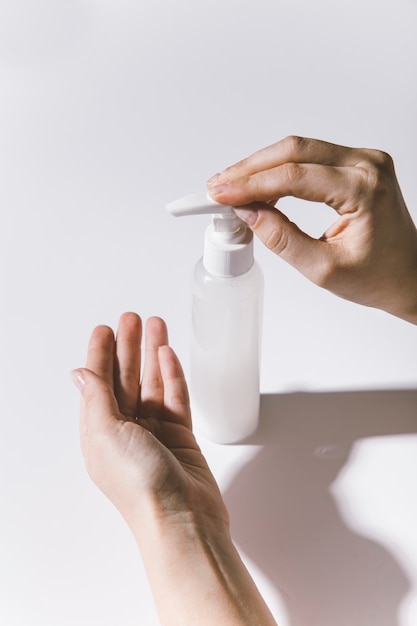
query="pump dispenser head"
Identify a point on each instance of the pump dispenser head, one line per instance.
(228, 244)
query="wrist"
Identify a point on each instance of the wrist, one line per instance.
(410, 310)
(187, 531)
(195, 571)
(178, 512)
(404, 305)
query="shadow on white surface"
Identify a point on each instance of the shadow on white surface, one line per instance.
(286, 520)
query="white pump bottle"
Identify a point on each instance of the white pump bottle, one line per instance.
(226, 325)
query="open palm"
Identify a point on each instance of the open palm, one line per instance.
(136, 432)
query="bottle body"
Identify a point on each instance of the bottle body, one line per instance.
(225, 353)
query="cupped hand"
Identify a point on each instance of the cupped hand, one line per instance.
(369, 255)
(136, 433)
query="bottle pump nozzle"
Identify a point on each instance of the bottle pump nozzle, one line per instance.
(228, 245)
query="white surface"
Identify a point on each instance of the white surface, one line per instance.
(108, 111)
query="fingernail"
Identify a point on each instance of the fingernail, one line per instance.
(249, 216)
(78, 379)
(218, 190)
(212, 181)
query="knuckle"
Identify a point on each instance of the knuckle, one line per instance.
(128, 377)
(377, 172)
(178, 399)
(381, 160)
(276, 240)
(293, 173)
(242, 164)
(252, 186)
(237, 170)
(90, 397)
(152, 382)
(294, 143)
(374, 180)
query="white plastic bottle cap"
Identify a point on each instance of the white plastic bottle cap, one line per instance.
(228, 243)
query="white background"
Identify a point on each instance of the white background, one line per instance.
(108, 110)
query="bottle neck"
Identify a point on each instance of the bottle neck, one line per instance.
(225, 255)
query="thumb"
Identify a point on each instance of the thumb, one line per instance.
(99, 406)
(284, 238)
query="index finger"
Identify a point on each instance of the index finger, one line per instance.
(338, 187)
(292, 149)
